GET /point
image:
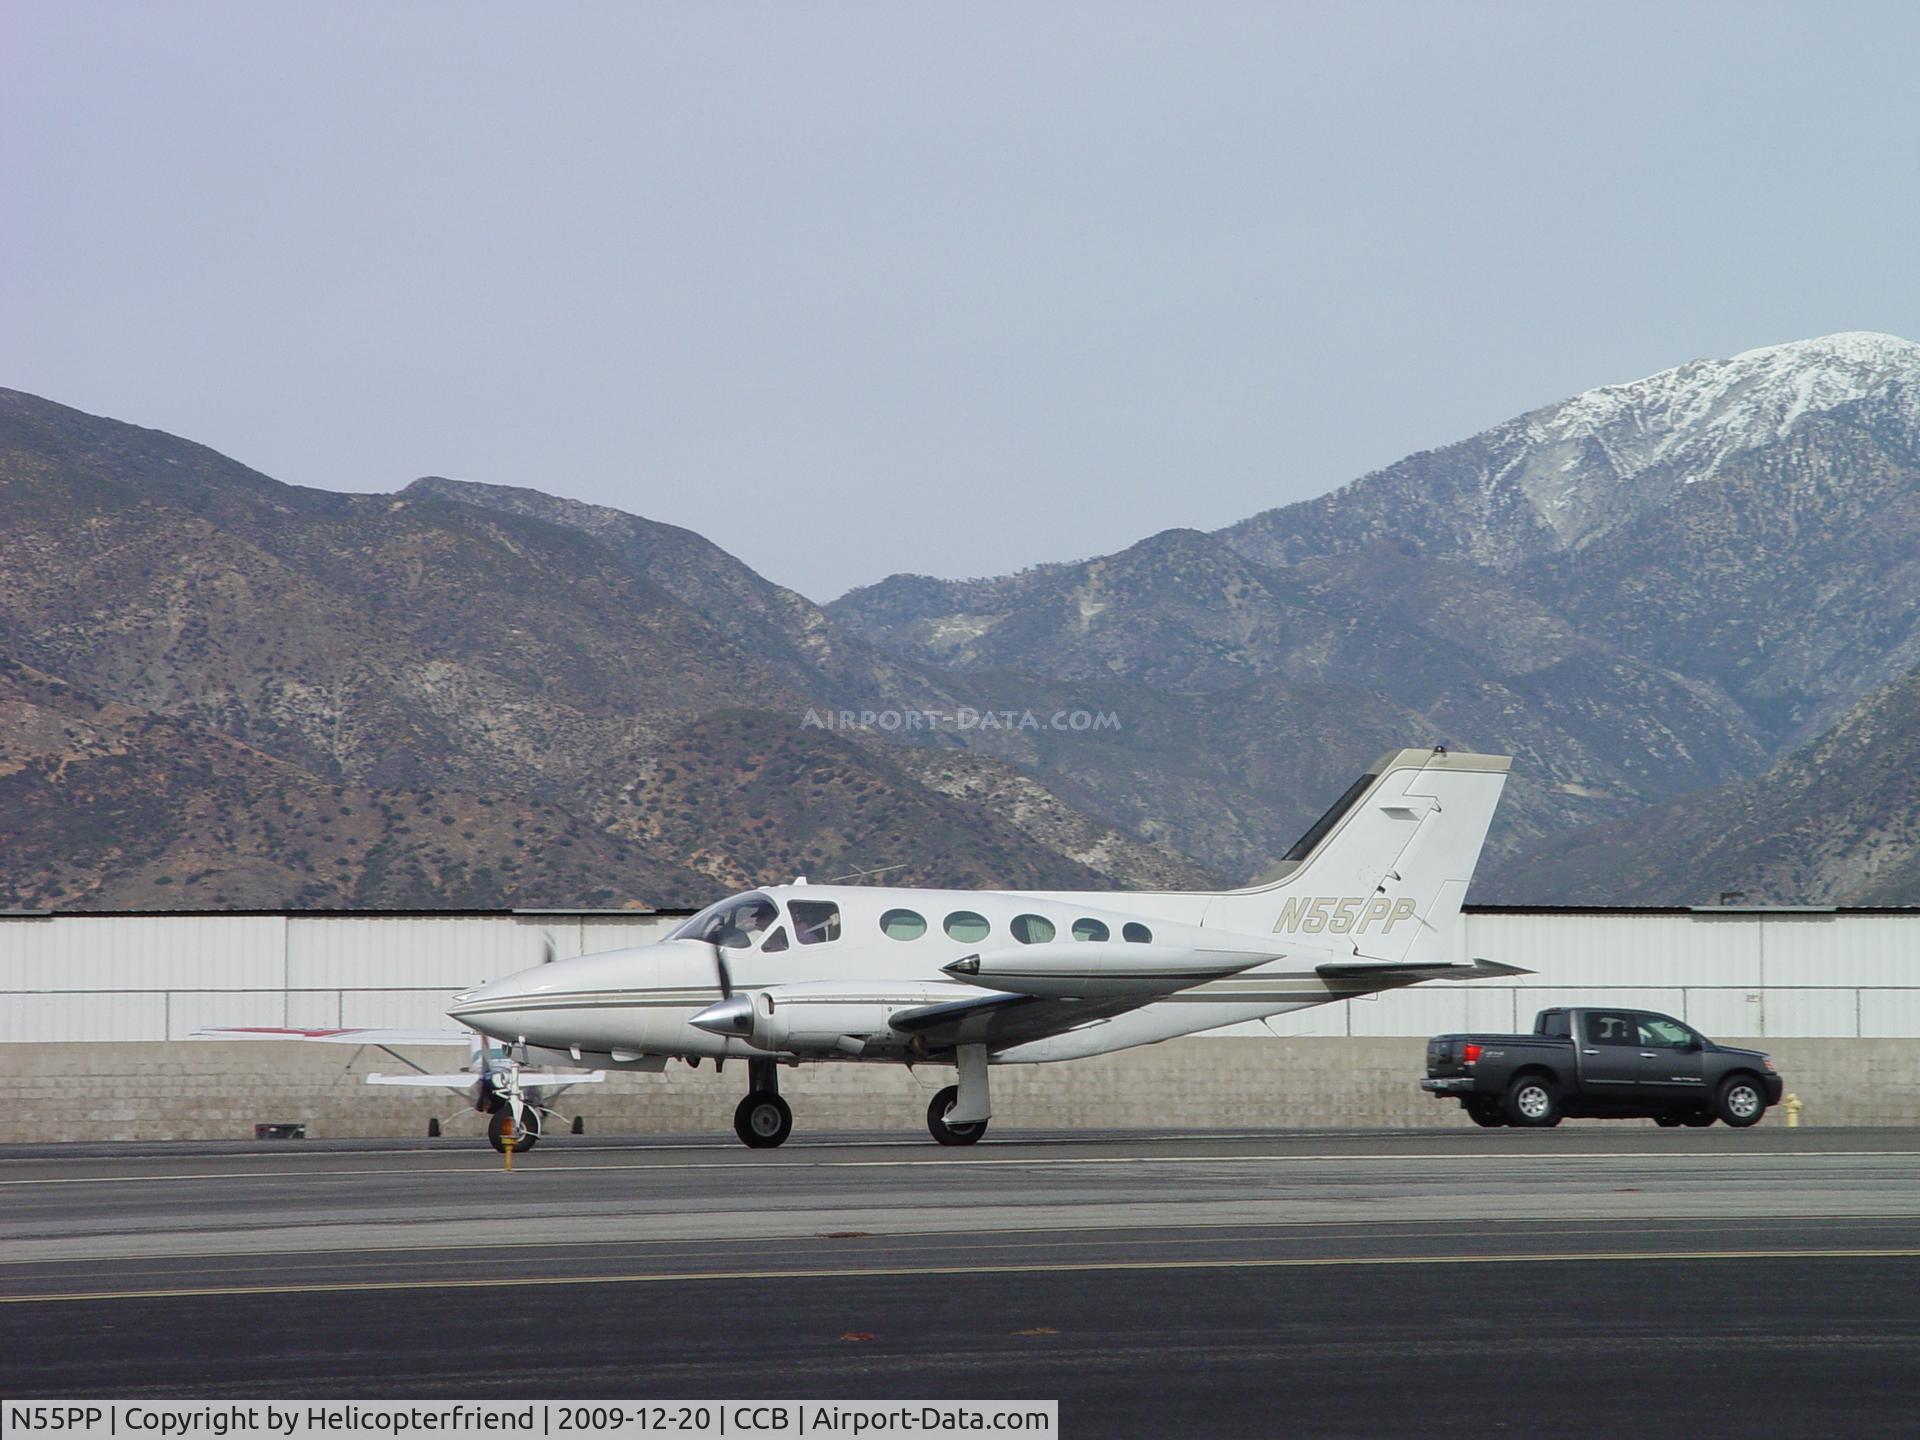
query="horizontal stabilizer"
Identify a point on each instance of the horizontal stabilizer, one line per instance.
(1411, 970)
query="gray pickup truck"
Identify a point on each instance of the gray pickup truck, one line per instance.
(1601, 1063)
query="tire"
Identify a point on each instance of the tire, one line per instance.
(1667, 1122)
(938, 1127)
(1741, 1101)
(1697, 1119)
(1485, 1112)
(1533, 1101)
(762, 1120)
(526, 1134)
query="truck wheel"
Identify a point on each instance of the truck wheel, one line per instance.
(1741, 1102)
(1485, 1112)
(1533, 1101)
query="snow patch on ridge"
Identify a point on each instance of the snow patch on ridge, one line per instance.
(1630, 447)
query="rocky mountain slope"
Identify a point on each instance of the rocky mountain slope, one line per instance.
(210, 666)
(1836, 822)
(1647, 590)
(220, 689)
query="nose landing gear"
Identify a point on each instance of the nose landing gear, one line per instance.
(762, 1120)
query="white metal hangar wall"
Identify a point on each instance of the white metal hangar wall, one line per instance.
(156, 977)
(80, 977)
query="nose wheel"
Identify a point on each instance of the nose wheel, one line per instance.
(762, 1120)
(525, 1135)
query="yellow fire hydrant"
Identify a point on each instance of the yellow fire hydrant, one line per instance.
(1792, 1107)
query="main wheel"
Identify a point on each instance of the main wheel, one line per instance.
(1533, 1101)
(762, 1120)
(937, 1124)
(1667, 1122)
(1741, 1102)
(1698, 1118)
(525, 1135)
(1485, 1112)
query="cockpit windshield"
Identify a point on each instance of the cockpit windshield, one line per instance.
(733, 923)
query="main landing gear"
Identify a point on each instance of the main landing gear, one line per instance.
(763, 1120)
(958, 1114)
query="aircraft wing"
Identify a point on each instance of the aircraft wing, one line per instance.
(331, 1036)
(1411, 970)
(464, 1081)
(467, 1079)
(1001, 1020)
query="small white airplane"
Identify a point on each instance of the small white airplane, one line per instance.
(1365, 902)
(494, 1082)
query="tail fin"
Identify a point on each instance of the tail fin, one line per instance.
(1384, 871)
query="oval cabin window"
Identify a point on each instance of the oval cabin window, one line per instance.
(967, 927)
(1032, 929)
(1090, 929)
(902, 925)
(1137, 933)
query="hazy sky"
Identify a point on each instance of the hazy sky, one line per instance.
(854, 289)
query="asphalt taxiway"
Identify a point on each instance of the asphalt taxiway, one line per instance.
(1594, 1280)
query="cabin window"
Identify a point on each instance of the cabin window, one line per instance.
(902, 925)
(1032, 929)
(967, 927)
(776, 942)
(814, 921)
(1137, 933)
(1089, 929)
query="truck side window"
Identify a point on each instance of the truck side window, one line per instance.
(1554, 1022)
(1657, 1032)
(1611, 1028)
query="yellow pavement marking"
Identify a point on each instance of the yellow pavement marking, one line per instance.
(899, 1271)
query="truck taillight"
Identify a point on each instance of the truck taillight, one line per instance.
(1470, 1054)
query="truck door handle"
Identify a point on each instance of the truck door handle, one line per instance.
(1648, 1055)
(1589, 1052)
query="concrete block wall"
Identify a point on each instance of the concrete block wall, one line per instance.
(220, 1090)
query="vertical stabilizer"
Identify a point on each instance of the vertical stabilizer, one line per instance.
(1383, 873)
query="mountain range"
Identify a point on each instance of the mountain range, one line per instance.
(1686, 605)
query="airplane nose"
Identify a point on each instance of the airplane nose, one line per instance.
(488, 1007)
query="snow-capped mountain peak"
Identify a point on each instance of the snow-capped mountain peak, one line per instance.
(1622, 448)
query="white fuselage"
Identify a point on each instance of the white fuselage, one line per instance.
(621, 1005)
(1366, 902)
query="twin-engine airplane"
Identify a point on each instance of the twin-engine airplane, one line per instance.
(1365, 902)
